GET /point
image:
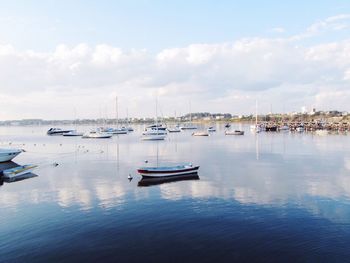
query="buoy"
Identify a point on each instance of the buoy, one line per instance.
(55, 164)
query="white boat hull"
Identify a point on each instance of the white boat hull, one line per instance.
(200, 134)
(155, 172)
(166, 174)
(97, 136)
(7, 155)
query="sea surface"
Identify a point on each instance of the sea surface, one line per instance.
(271, 197)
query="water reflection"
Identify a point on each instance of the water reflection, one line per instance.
(264, 169)
(157, 181)
(20, 178)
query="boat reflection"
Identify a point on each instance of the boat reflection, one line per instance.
(20, 178)
(10, 165)
(7, 165)
(156, 181)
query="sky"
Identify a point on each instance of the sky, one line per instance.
(66, 59)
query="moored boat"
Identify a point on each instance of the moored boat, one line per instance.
(7, 155)
(167, 171)
(188, 127)
(236, 132)
(173, 129)
(200, 134)
(96, 135)
(211, 129)
(57, 131)
(73, 133)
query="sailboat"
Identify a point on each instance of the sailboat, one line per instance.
(74, 132)
(256, 128)
(189, 126)
(175, 128)
(156, 131)
(117, 130)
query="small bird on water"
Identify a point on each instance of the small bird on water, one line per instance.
(129, 177)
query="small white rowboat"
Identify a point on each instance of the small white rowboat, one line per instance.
(167, 171)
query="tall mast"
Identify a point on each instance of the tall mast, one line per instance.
(256, 112)
(157, 111)
(116, 111)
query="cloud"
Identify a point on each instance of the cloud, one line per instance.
(280, 71)
(278, 30)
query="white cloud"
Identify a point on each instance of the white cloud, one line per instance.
(280, 71)
(278, 30)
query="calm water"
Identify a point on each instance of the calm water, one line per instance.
(266, 198)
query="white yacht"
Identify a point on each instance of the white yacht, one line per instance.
(7, 155)
(96, 135)
(57, 131)
(174, 129)
(155, 129)
(73, 133)
(200, 133)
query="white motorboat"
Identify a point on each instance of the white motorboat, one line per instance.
(73, 133)
(57, 131)
(167, 171)
(96, 135)
(200, 133)
(211, 129)
(18, 171)
(236, 132)
(116, 130)
(174, 129)
(154, 133)
(7, 155)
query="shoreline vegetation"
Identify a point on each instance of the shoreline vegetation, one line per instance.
(326, 117)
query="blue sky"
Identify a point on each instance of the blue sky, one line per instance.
(154, 25)
(220, 55)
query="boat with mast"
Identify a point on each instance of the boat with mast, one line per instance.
(189, 126)
(117, 130)
(256, 127)
(156, 131)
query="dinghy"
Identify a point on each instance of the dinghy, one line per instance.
(167, 171)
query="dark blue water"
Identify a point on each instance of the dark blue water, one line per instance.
(266, 198)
